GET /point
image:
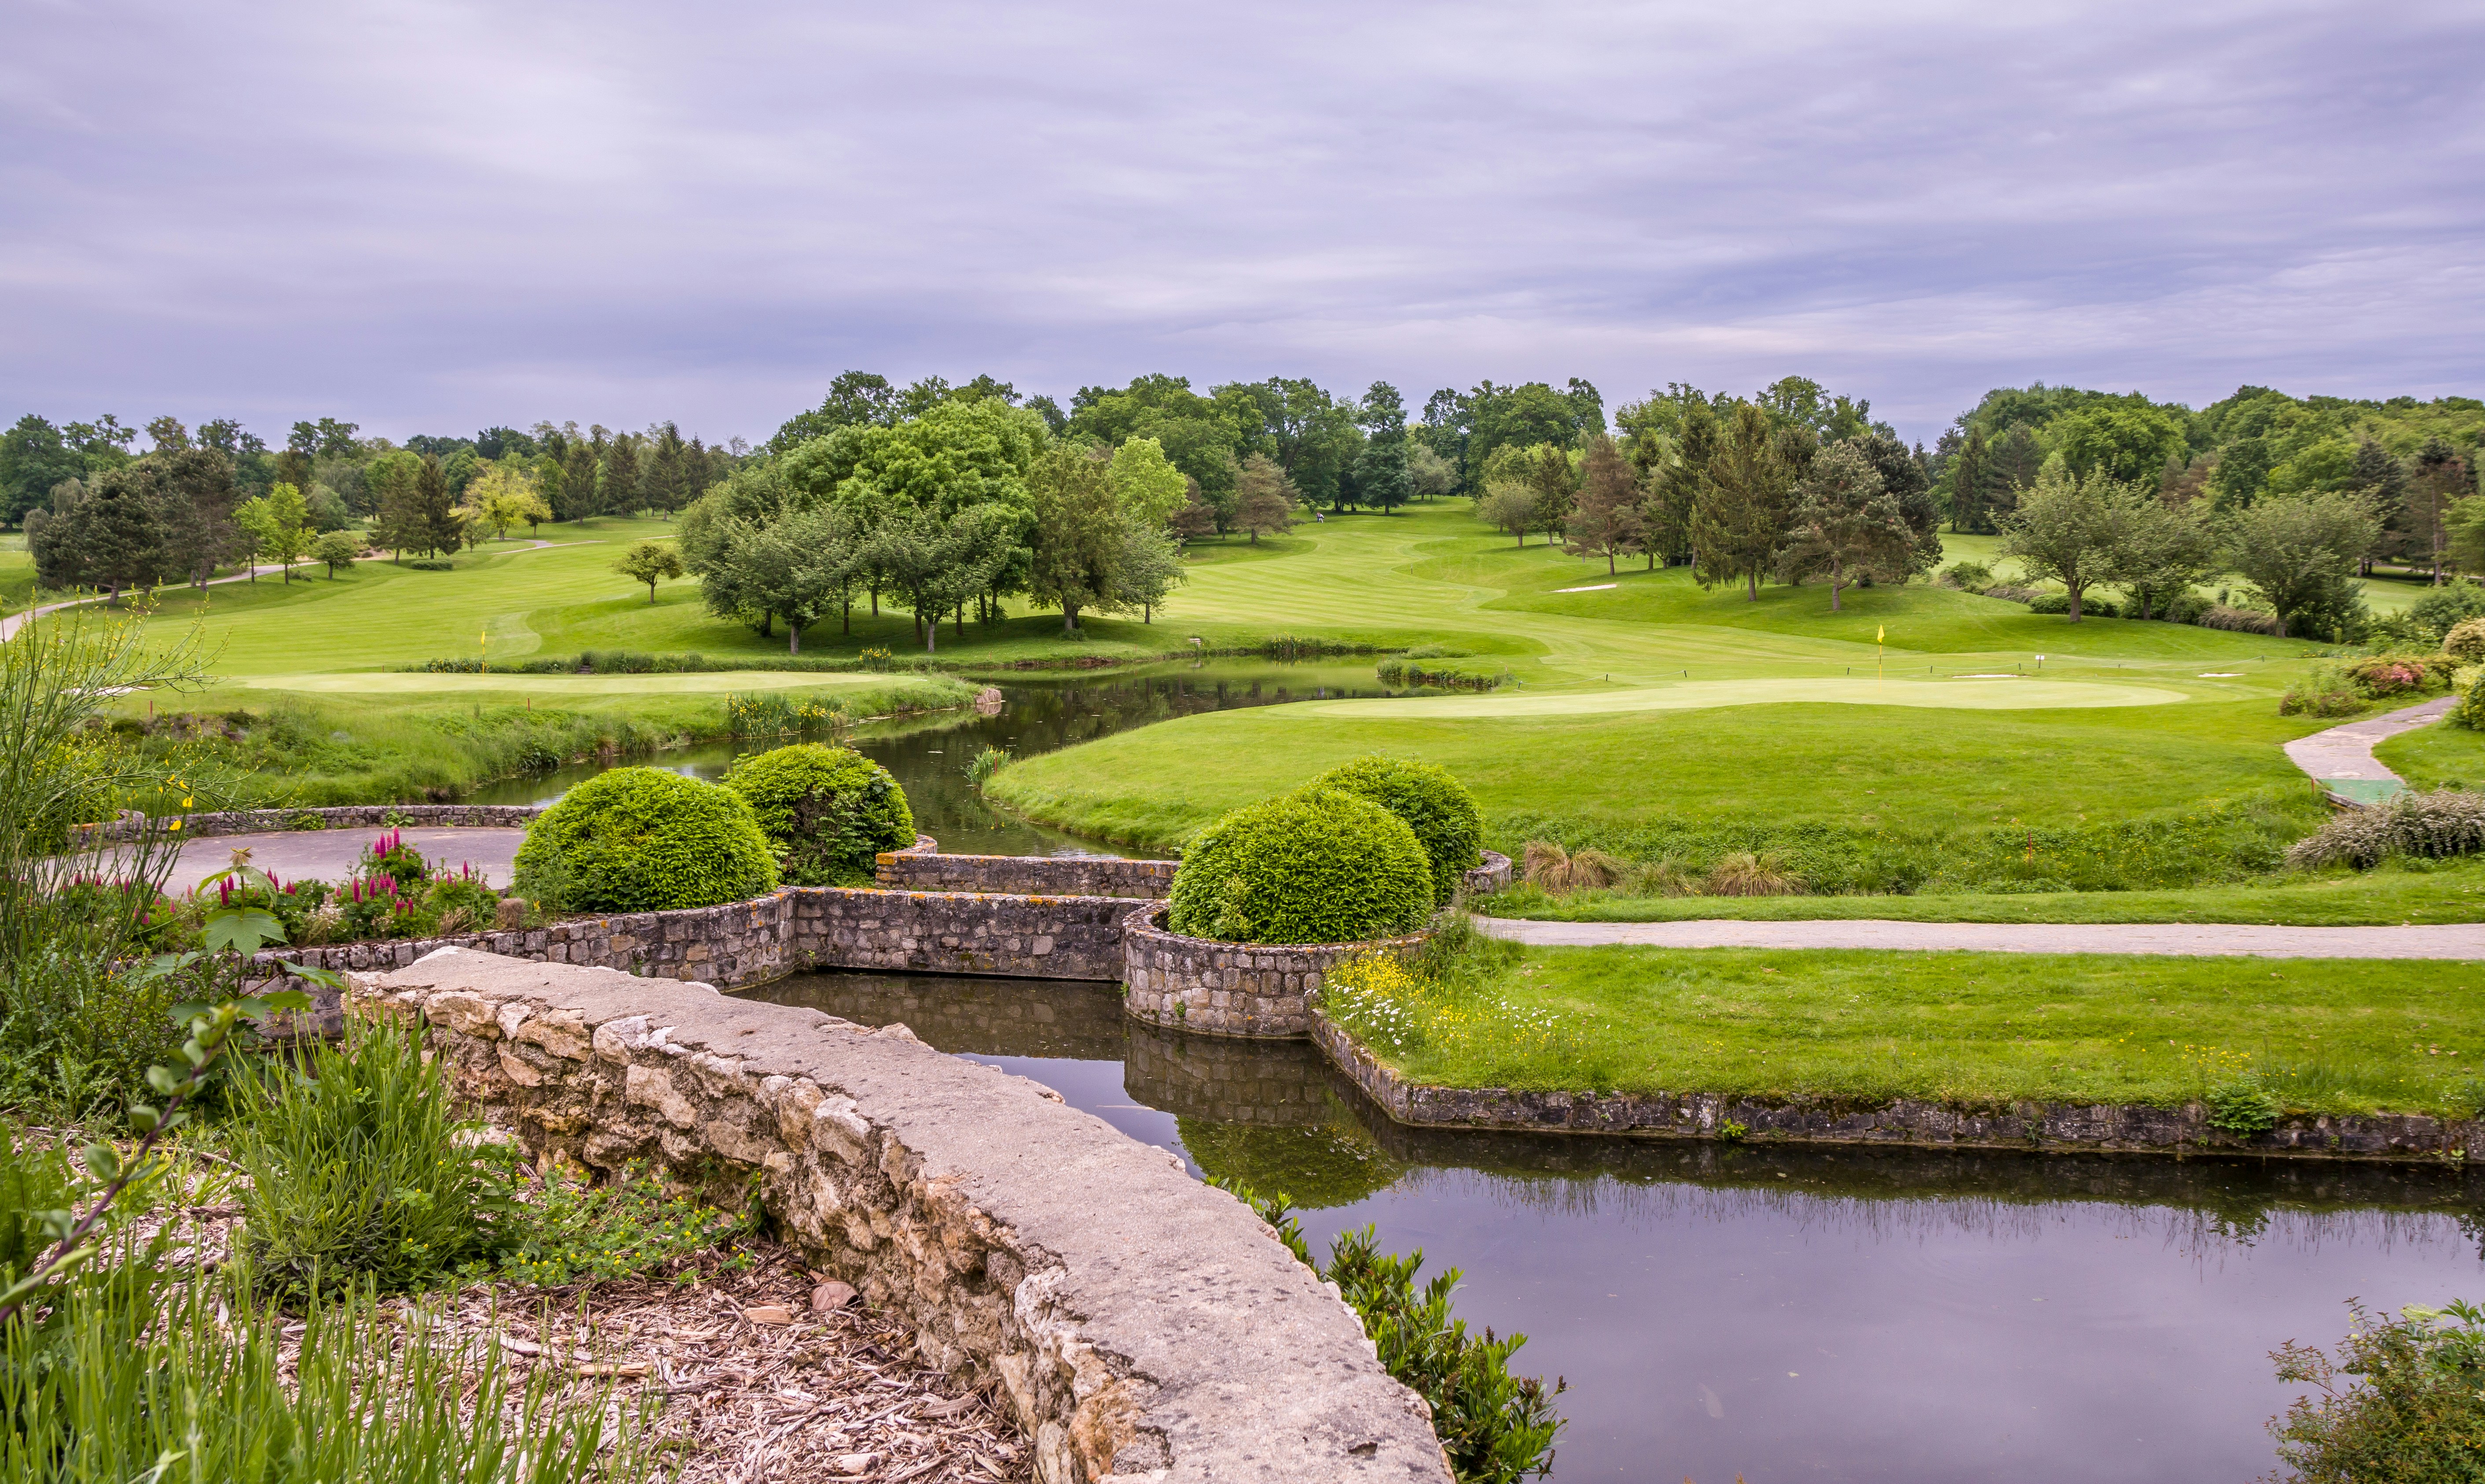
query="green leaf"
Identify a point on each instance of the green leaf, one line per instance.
(105, 1159)
(242, 930)
(164, 1080)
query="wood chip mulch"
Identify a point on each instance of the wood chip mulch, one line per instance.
(755, 1382)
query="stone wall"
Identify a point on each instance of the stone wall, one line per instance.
(1255, 989)
(1070, 875)
(1140, 1325)
(2034, 1126)
(943, 932)
(923, 870)
(353, 816)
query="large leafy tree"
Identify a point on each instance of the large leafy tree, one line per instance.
(1078, 535)
(2067, 529)
(2159, 550)
(1264, 498)
(101, 533)
(2443, 480)
(933, 563)
(2299, 555)
(195, 499)
(280, 523)
(1201, 436)
(1846, 523)
(2124, 441)
(34, 458)
(1904, 478)
(1148, 488)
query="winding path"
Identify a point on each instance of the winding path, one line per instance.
(2341, 758)
(2459, 940)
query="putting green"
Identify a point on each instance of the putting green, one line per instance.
(1692, 695)
(700, 682)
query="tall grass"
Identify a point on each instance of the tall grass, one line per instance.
(201, 1391)
(358, 1171)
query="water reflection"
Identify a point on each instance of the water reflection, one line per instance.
(1835, 1314)
(928, 755)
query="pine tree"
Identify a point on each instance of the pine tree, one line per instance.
(617, 491)
(1604, 522)
(576, 483)
(1740, 512)
(1846, 522)
(437, 527)
(1968, 473)
(670, 476)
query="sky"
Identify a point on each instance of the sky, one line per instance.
(429, 217)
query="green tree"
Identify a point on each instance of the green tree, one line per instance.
(1149, 567)
(1381, 476)
(1739, 516)
(617, 490)
(2125, 442)
(1264, 498)
(395, 480)
(578, 487)
(1672, 466)
(2159, 551)
(1904, 478)
(34, 461)
(2065, 529)
(855, 398)
(1844, 523)
(337, 548)
(1509, 507)
(505, 494)
(2299, 555)
(1970, 477)
(280, 523)
(1429, 476)
(101, 533)
(2443, 481)
(672, 480)
(933, 563)
(1078, 535)
(437, 527)
(2016, 458)
(195, 497)
(1148, 488)
(650, 563)
(1606, 519)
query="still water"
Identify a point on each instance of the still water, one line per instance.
(928, 755)
(1890, 1316)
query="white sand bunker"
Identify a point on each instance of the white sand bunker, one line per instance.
(1999, 674)
(1594, 586)
(2028, 695)
(2224, 674)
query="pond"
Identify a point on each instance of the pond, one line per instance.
(1040, 713)
(1781, 1314)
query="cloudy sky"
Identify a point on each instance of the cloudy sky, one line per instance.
(429, 217)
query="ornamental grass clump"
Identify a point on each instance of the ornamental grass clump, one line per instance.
(2445, 822)
(828, 812)
(1432, 802)
(643, 840)
(1556, 872)
(359, 1173)
(1316, 866)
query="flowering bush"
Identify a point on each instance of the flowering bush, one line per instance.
(2401, 674)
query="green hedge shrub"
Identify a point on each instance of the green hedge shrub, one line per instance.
(1316, 866)
(2466, 642)
(827, 810)
(642, 840)
(2092, 605)
(1432, 802)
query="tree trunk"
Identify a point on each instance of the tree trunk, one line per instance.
(793, 636)
(875, 600)
(1752, 585)
(845, 615)
(962, 620)
(1069, 619)
(651, 594)
(2075, 605)
(1835, 577)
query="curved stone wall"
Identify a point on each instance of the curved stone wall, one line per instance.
(351, 816)
(1256, 989)
(1140, 1325)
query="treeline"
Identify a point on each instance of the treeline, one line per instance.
(2410, 464)
(99, 514)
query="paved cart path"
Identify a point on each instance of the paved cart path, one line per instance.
(2462, 939)
(331, 855)
(2341, 758)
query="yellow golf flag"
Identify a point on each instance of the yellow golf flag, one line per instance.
(1881, 633)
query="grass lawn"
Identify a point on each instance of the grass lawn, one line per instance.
(2437, 757)
(357, 739)
(1972, 1029)
(2420, 893)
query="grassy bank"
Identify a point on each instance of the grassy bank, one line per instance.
(1971, 1029)
(2437, 757)
(2398, 891)
(359, 742)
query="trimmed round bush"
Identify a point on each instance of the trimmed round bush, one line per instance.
(1316, 866)
(827, 810)
(642, 840)
(1432, 802)
(2466, 642)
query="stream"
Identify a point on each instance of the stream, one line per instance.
(1897, 1316)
